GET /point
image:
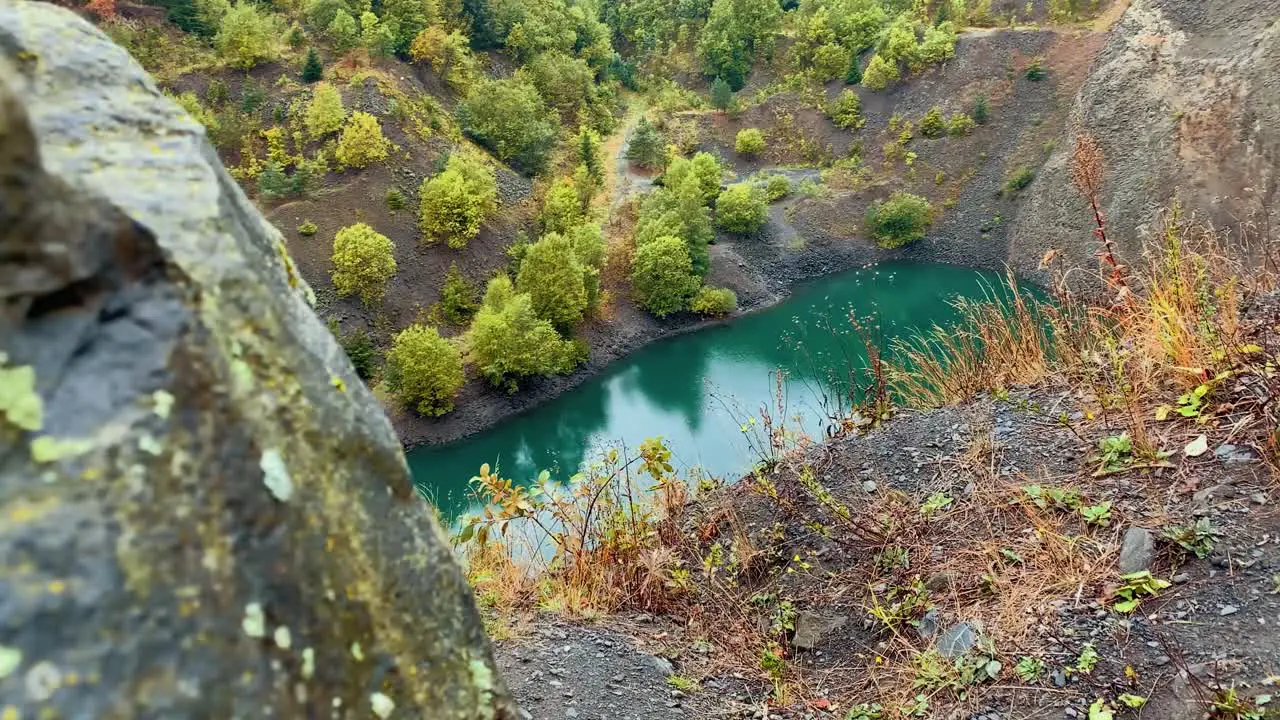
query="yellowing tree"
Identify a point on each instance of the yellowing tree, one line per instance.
(362, 262)
(561, 208)
(424, 370)
(362, 142)
(880, 73)
(508, 340)
(455, 203)
(325, 112)
(246, 35)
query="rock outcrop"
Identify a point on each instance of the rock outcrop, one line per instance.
(1185, 104)
(203, 511)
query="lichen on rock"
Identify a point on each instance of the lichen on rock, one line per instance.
(196, 521)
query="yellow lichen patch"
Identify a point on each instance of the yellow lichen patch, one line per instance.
(47, 449)
(57, 587)
(21, 512)
(338, 383)
(19, 402)
(10, 660)
(163, 403)
(290, 271)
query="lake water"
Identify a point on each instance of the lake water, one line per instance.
(697, 390)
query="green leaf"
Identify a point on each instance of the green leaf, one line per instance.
(1099, 710)
(1126, 606)
(1133, 701)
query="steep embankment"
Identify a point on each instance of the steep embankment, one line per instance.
(1183, 101)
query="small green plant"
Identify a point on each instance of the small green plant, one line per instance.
(892, 558)
(1064, 499)
(307, 228)
(936, 503)
(900, 604)
(918, 708)
(1197, 538)
(932, 125)
(682, 683)
(1036, 71)
(1137, 585)
(1115, 453)
(771, 661)
(960, 125)
(1130, 700)
(777, 187)
(1099, 514)
(981, 111)
(865, 711)
(1195, 403)
(1086, 661)
(1029, 669)
(1100, 710)
(395, 199)
(1227, 704)
(1018, 180)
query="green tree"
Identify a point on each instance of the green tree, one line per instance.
(830, 61)
(854, 76)
(900, 220)
(407, 18)
(448, 53)
(714, 301)
(678, 212)
(424, 370)
(561, 208)
(721, 95)
(662, 276)
(247, 36)
(981, 112)
(508, 340)
(565, 82)
(456, 202)
(742, 209)
(589, 153)
(846, 110)
(703, 167)
(646, 146)
(879, 73)
(960, 125)
(749, 142)
(939, 44)
(362, 142)
(736, 31)
(343, 30)
(325, 113)
(509, 117)
(272, 182)
(312, 69)
(376, 36)
(320, 13)
(932, 125)
(362, 262)
(458, 299)
(552, 276)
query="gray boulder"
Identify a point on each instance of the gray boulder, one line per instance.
(203, 511)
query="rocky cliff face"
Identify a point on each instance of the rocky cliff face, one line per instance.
(1185, 104)
(204, 512)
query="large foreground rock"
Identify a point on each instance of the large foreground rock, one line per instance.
(203, 513)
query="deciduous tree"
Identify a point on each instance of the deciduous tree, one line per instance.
(362, 142)
(662, 276)
(509, 117)
(325, 113)
(424, 370)
(456, 202)
(362, 262)
(247, 36)
(742, 209)
(508, 341)
(552, 275)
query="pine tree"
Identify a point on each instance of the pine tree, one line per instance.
(646, 147)
(312, 69)
(855, 70)
(721, 94)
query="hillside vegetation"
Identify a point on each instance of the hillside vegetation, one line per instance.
(450, 166)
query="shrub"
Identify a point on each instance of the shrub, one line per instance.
(508, 341)
(361, 352)
(509, 117)
(312, 69)
(714, 301)
(846, 110)
(362, 142)
(721, 95)
(960, 125)
(777, 187)
(325, 113)
(246, 36)
(1018, 179)
(343, 30)
(458, 299)
(662, 276)
(456, 202)
(552, 276)
(362, 262)
(395, 199)
(900, 220)
(879, 73)
(932, 124)
(704, 168)
(750, 142)
(742, 209)
(424, 370)
(938, 45)
(561, 208)
(678, 212)
(980, 110)
(646, 147)
(1036, 71)
(307, 229)
(252, 97)
(830, 61)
